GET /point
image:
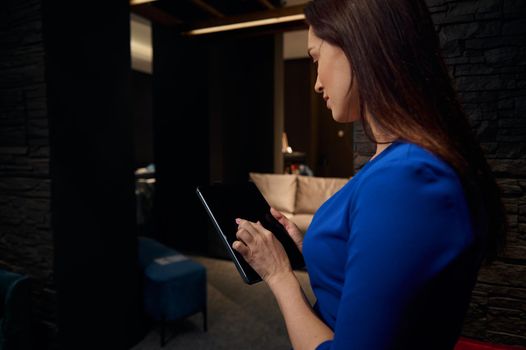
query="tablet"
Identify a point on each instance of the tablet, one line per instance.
(226, 202)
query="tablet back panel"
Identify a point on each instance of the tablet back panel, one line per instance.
(226, 202)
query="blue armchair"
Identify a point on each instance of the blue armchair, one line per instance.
(174, 286)
(15, 311)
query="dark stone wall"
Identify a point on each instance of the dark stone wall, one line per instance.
(26, 244)
(484, 44)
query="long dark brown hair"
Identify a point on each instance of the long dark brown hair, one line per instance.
(404, 84)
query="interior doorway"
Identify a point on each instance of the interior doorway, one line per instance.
(323, 145)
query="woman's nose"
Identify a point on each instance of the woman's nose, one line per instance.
(318, 87)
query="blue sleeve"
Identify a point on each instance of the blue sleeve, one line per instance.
(409, 221)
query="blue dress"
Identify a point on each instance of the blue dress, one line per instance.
(393, 256)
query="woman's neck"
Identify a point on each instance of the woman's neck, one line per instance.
(380, 147)
(384, 139)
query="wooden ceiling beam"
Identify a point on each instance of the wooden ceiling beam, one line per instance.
(267, 4)
(155, 14)
(247, 17)
(208, 8)
(138, 2)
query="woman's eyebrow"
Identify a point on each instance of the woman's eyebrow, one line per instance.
(310, 48)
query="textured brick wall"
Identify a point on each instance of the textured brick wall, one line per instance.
(25, 234)
(484, 45)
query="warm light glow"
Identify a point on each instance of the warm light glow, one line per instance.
(256, 23)
(138, 2)
(285, 148)
(141, 51)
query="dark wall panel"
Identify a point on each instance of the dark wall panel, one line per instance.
(241, 91)
(298, 92)
(213, 121)
(180, 104)
(141, 87)
(93, 203)
(242, 107)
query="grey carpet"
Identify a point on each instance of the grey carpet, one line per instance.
(239, 316)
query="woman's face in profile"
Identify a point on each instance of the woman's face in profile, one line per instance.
(334, 79)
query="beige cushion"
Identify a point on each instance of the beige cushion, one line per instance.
(287, 214)
(302, 221)
(278, 189)
(312, 192)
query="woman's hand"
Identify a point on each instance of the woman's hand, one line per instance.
(291, 228)
(262, 251)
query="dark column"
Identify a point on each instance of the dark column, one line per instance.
(180, 105)
(241, 113)
(93, 203)
(142, 114)
(242, 106)
(213, 121)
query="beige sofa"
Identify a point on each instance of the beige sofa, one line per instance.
(297, 196)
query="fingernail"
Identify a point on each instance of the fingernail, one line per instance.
(238, 221)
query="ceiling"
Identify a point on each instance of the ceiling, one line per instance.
(202, 10)
(185, 15)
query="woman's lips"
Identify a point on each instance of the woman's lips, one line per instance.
(326, 98)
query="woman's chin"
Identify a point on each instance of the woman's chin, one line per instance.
(339, 118)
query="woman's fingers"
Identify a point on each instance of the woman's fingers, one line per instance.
(275, 212)
(277, 215)
(244, 235)
(252, 232)
(242, 249)
(282, 219)
(291, 228)
(247, 226)
(260, 249)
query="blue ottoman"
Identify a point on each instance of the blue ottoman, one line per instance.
(174, 286)
(15, 311)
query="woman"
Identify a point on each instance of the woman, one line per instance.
(393, 256)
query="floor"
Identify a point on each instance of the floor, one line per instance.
(240, 316)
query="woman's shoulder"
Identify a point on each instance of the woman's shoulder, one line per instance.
(406, 156)
(408, 165)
